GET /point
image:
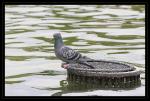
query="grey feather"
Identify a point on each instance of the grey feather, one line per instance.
(67, 54)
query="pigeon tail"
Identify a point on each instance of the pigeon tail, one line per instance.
(85, 63)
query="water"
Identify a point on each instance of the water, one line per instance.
(111, 32)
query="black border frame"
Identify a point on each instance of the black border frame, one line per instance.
(65, 2)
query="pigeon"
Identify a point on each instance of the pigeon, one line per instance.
(67, 54)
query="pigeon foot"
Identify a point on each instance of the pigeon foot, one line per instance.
(64, 65)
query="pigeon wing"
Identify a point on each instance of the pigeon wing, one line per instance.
(69, 54)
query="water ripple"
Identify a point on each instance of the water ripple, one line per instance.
(112, 32)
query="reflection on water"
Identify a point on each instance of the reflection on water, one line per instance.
(111, 32)
(70, 86)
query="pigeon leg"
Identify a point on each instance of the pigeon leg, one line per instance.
(65, 65)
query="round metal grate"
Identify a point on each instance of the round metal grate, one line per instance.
(107, 72)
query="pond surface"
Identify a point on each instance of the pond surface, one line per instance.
(110, 32)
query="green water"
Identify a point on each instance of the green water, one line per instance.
(110, 32)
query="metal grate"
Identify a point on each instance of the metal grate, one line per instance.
(108, 73)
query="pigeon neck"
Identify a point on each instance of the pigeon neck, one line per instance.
(58, 43)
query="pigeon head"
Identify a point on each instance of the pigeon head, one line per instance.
(57, 36)
(58, 40)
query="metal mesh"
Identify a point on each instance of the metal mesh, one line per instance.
(103, 68)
